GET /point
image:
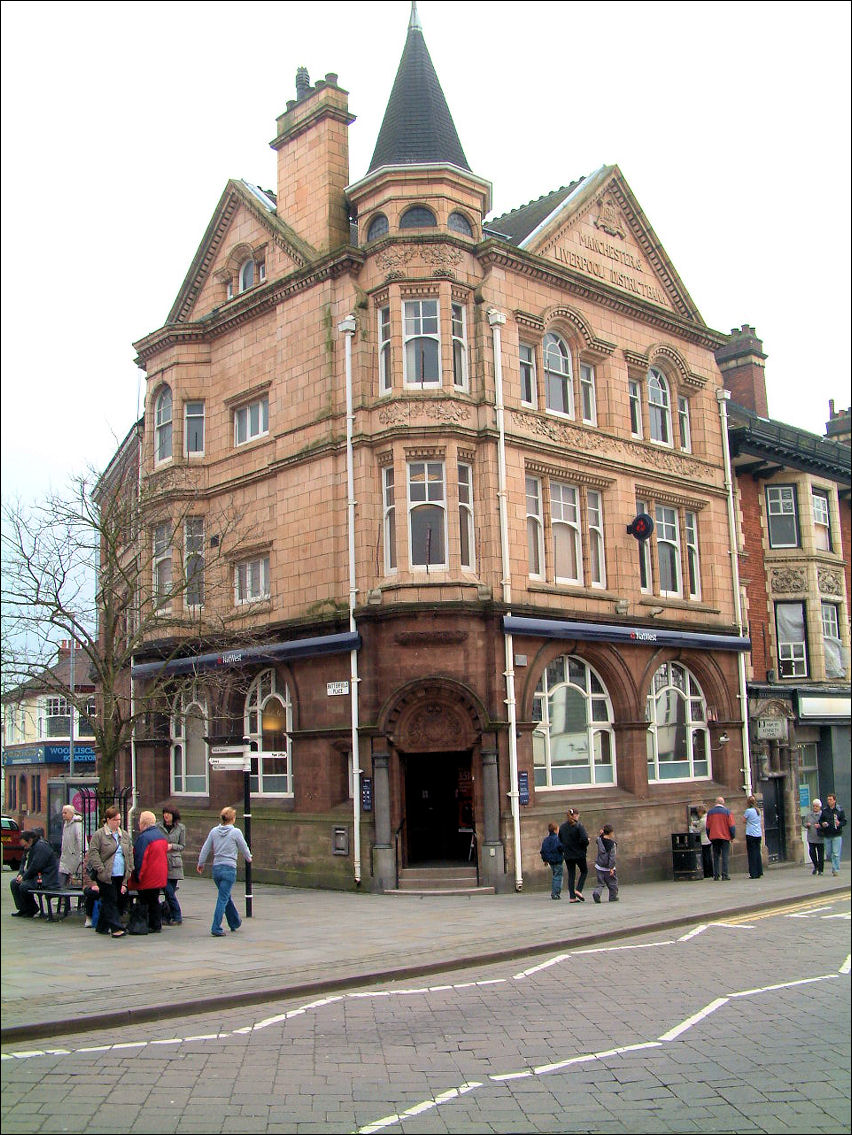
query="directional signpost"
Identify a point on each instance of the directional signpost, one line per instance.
(237, 758)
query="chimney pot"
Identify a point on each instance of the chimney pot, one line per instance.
(303, 83)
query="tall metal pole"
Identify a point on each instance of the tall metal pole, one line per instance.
(247, 818)
(71, 708)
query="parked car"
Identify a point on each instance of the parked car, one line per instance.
(13, 845)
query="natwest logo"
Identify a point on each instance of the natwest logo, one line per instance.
(644, 636)
(231, 658)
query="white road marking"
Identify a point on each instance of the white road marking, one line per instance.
(672, 1034)
(419, 1108)
(782, 985)
(693, 933)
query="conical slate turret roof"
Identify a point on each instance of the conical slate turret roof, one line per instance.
(418, 127)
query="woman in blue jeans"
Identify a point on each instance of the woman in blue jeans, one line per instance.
(226, 842)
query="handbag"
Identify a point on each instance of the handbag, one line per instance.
(138, 923)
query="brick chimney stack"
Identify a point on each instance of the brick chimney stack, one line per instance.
(313, 162)
(742, 363)
(839, 424)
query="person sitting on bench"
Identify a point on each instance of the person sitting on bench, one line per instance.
(41, 869)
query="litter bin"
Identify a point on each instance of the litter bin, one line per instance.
(686, 855)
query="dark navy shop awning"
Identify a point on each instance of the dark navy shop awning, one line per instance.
(630, 636)
(251, 655)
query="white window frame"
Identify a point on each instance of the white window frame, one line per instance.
(535, 528)
(832, 645)
(688, 690)
(188, 699)
(244, 423)
(263, 689)
(554, 348)
(634, 394)
(821, 509)
(251, 580)
(389, 519)
(413, 322)
(644, 550)
(793, 652)
(163, 436)
(684, 424)
(562, 672)
(434, 482)
(667, 532)
(565, 526)
(597, 546)
(782, 502)
(461, 369)
(193, 561)
(192, 415)
(56, 708)
(384, 330)
(526, 358)
(588, 395)
(245, 267)
(467, 529)
(693, 561)
(162, 555)
(659, 408)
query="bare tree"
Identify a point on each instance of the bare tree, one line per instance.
(124, 573)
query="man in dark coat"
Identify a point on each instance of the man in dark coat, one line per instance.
(575, 841)
(40, 869)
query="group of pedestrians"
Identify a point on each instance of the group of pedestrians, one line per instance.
(824, 826)
(565, 849)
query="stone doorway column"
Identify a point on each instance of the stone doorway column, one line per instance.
(384, 863)
(491, 852)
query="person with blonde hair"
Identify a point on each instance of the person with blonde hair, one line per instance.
(816, 847)
(226, 842)
(753, 835)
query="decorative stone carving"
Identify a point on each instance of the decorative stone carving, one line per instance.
(393, 414)
(440, 255)
(772, 708)
(830, 582)
(394, 257)
(432, 718)
(786, 581)
(609, 218)
(445, 411)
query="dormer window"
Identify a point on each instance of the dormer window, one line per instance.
(247, 275)
(418, 217)
(378, 227)
(458, 223)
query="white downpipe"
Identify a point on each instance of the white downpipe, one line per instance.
(133, 793)
(496, 320)
(722, 397)
(347, 328)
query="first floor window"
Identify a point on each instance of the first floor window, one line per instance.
(573, 742)
(194, 423)
(251, 421)
(422, 355)
(389, 518)
(268, 724)
(193, 560)
(683, 419)
(832, 647)
(659, 413)
(565, 521)
(668, 549)
(792, 640)
(252, 579)
(822, 520)
(678, 739)
(558, 377)
(597, 558)
(588, 402)
(528, 383)
(188, 748)
(162, 565)
(385, 376)
(466, 529)
(644, 551)
(460, 374)
(535, 532)
(57, 719)
(163, 425)
(692, 563)
(427, 516)
(635, 409)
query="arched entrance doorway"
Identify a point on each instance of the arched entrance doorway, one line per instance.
(434, 731)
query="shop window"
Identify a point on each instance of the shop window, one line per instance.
(573, 741)
(678, 738)
(188, 748)
(268, 724)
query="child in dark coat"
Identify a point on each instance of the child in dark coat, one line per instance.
(605, 865)
(551, 853)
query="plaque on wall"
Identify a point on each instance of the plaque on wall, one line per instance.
(772, 728)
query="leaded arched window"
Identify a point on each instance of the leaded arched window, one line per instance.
(573, 742)
(678, 738)
(189, 749)
(268, 725)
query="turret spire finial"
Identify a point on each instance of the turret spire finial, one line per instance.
(414, 22)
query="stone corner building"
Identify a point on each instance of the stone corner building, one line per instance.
(432, 430)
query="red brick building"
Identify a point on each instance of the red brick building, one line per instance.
(434, 429)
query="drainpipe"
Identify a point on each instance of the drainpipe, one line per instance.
(722, 397)
(132, 661)
(347, 328)
(496, 319)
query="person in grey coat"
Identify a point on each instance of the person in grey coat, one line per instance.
(226, 842)
(605, 865)
(816, 846)
(71, 853)
(175, 833)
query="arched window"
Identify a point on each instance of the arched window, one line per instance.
(378, 227)
(558, 378)
(417, 217)
(458, 223)
(189, 749)
(268, 723)
(247, 275)
(678, 739)
(573, 743)
(659, 407)
(163, 425)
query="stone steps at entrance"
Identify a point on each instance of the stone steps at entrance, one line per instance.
(449, 879)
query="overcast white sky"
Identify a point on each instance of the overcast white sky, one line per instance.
(123, 121)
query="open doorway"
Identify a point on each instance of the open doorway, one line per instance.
(438, 808)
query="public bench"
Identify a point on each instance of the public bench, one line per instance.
(45, 898)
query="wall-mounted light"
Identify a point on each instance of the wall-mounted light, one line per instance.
(723, 739)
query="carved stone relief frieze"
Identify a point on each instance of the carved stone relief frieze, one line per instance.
(440, 410)
(396, 256)
(830, 582)
(788, 580)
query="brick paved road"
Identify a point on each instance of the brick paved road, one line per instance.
(741, 1026)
